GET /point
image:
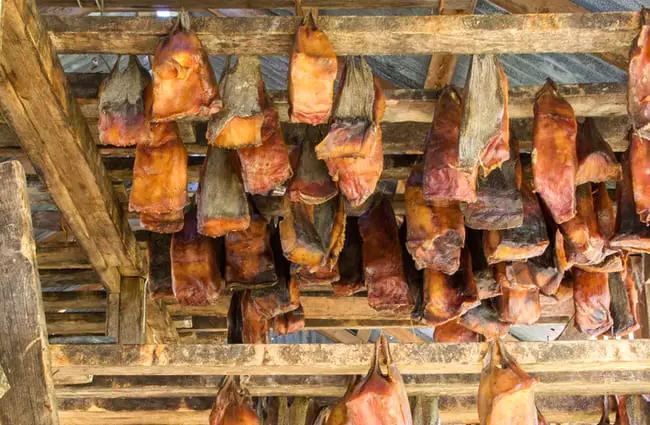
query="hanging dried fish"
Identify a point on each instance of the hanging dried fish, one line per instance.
(596, 160)
(632, 410)
(484, 320)
(159, 284)
(311, 182)
(221, 200)
(583, 243)
(329, 220)
(380, 398)
(454, 332)
(232, 406)
(239, 123)
(640, 169)
(506, 392)
(554, 157)
(123, 105)
(290, 322)
(638, 88)
(382, 259)
(631, 234)
(443, 179)
(159, 188)
(350, 262)
(255, 328)
(483, 274)
(448, 297)
(249, 258)
(183, 82)
(499, 203)
(195, 273)
(624, 300)
(358, 175)
(312, 72)
(267, 166)
(339, 413)
(592, 302)
(523, 242)
(301, 243)
(539, 271)
(519, 301)
(162, 223)
(435, 232)
(484, 127)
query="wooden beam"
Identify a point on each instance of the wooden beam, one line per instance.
(160, 327)
(55, 280)
(360, 35)
(113, 316)
(133, 316)
(342, 359)
(67, 324)
(258, 4)
(558, 6)
(194, 411)
(561, 384)
(71, 302)
(36, 101)
(426, 411)
(23, 345)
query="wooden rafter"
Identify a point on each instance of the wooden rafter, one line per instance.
(36, 101)
(361, 35)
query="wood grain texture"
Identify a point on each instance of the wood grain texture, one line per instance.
(160, 327)
(133, 311)
(23, 345)
(360, 35)
(35, 98)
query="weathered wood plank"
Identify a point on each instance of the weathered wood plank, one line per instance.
(361, 35)
(342, 359)
(133, 311)
(4, 383)
(71, 302)
(191, 411)
(113, 316)
(36, 101)
(60, 256)
(160, 328)
(54, 280)
(67, 324)
(23, 345)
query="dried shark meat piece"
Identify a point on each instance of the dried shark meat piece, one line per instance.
(123, 113)
(540, 271)
(221, 200)
(239, 123)
(358, 176)
(624, 300)
(290, 322)
(311, 182)
(184, 84)
(638, 85)
(232, 406)
(443, 179)
(523, 242)
(484, 320)
(382, 259)
(484, 127)
(195, 272)
(312, 72)
(640, 168)
(435, 232)
(519, 301)
(329, 220)
(249, 258)
(159, 284)
(554, 156)
(171, 222)
(380, 398)
(267, 166)
(301, 243)
(448, 297)
(506, 392)
(160, 175)
(499, 203)
(454, 332)
(350, 262)
(339, 413)
(351, 134)
(596, 160)
(583, 243)
(592, 302)
(483, 273)
(255, 328)
(631, 234)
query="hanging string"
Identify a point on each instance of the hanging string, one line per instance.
(299, 9)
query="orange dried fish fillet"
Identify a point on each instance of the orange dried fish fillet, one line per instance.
(519, 301)
(184, 84)
(435, 231)
(232, 406)
(638, 83)
(624, 300)
(443, 179)
(312, 72)
(484, 320)
(123, 106)
(592, 302)
(454, 332)
(554, 156)
(290, 322)
(640, 168)
(170, 222)
(596, 160)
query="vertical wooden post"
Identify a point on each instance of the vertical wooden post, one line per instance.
(160, 327)
(4, 383)
(426, 411)
(132, 321)
(113, 315)
(23, 337)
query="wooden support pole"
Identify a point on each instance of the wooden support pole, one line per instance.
(23, 341)
(133, 311)
(36, 101)
(160, 327)
(4, 383)
(113, 316)
(361, 35)
(426, 411)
